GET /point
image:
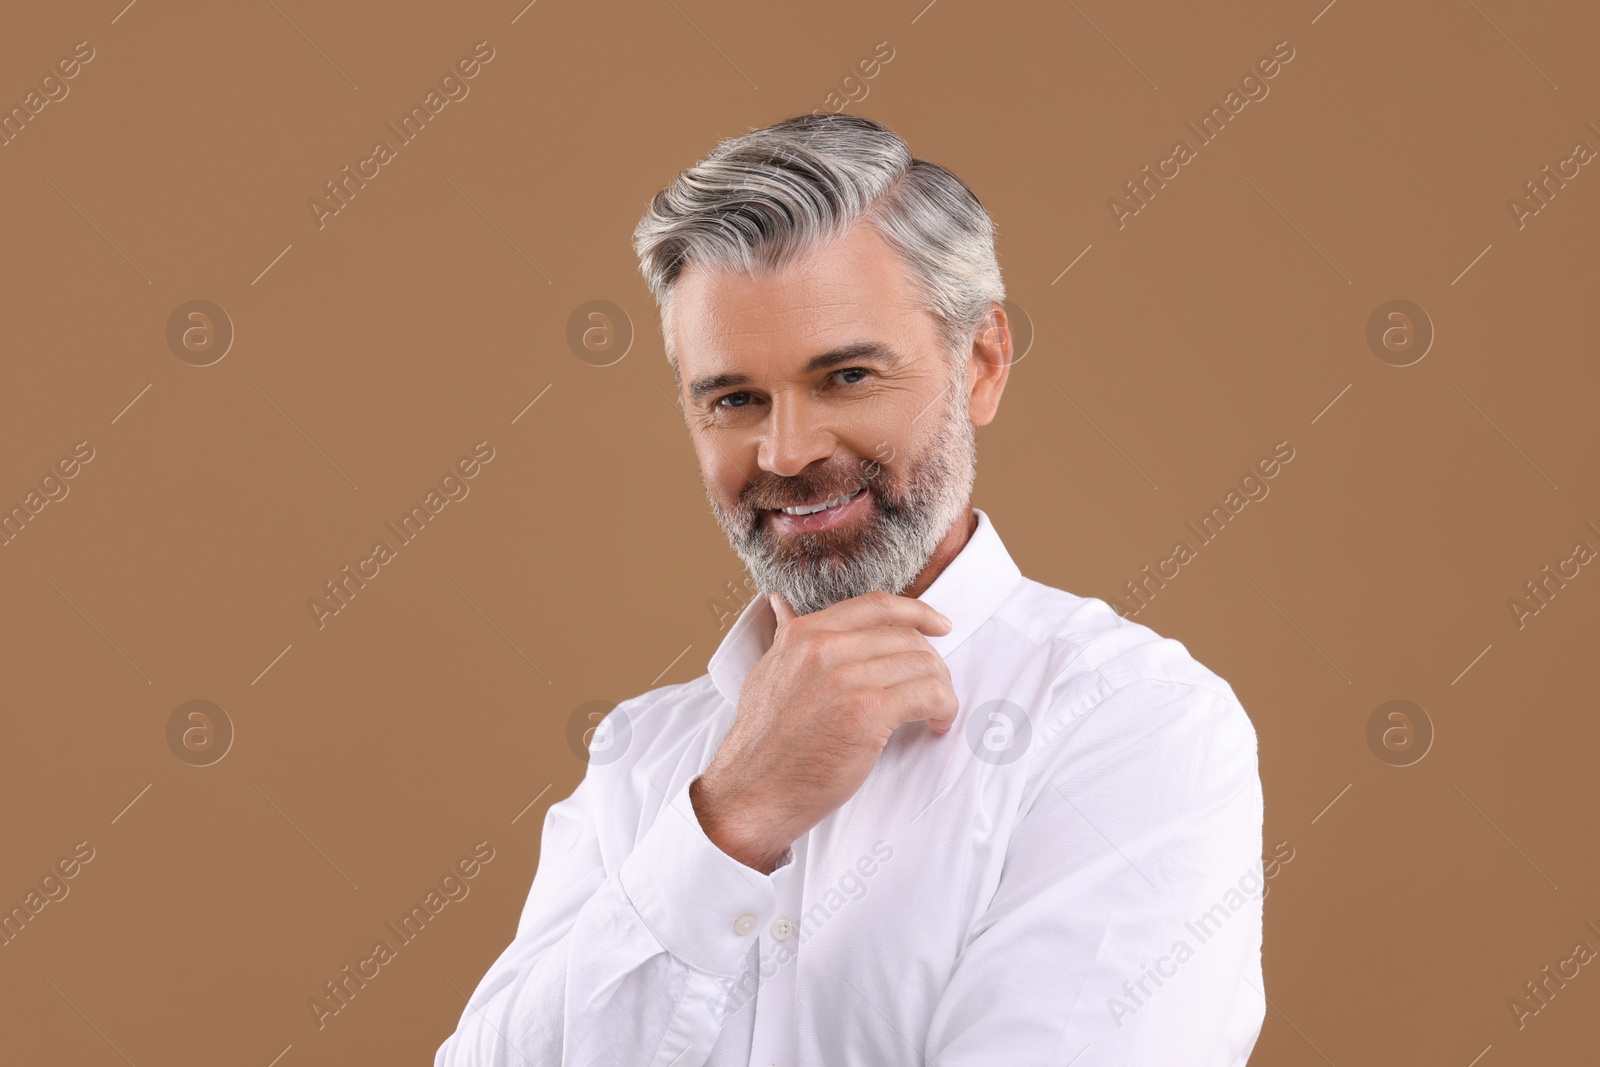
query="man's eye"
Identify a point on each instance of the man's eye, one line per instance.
(743, 398)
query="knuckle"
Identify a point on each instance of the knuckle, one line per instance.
(861, 717)
(868, 704)
(854, 678)
(831, 648)
(935, 694)
(813, 646)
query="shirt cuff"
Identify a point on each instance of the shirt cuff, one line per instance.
(704, 906)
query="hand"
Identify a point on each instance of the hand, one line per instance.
(814, 715)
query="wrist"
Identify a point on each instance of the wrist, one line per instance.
(721, 822)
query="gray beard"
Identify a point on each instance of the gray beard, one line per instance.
(907, 521)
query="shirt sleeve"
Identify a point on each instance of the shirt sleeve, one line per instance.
(628, 966)
(1130, 897)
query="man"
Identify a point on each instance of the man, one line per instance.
(921, 809)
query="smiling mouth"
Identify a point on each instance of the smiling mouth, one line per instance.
(811, 509)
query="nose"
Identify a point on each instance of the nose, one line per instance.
(792, 439)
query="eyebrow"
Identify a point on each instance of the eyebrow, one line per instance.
(856, 352)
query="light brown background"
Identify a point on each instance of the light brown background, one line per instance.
(432, 713)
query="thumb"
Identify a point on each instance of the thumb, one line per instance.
(781, 608)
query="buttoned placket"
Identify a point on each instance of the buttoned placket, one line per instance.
(773, 1040)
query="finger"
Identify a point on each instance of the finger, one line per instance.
(901, 640)
(924, 698)
(878, 608)
(888, 671)
(781, 608)
(876, 641)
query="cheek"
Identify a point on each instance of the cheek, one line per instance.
(721, 469)
(885, 416)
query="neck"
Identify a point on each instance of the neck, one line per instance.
(947, 549)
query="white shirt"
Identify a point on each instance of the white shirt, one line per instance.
(1094, 818)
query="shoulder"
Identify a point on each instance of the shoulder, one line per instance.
(1115, 682)
(1085, 635)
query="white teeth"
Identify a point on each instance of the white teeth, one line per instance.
(808, 509)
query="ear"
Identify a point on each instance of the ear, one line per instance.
(988, 365)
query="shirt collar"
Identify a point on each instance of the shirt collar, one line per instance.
(968, 591)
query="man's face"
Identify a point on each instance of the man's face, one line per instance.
(823, 382)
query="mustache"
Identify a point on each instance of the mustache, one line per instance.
(788, 492)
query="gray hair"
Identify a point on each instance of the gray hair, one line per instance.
(762, 199)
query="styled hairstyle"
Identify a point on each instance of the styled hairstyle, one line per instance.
(762, 199)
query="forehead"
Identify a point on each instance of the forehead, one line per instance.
(852, 289)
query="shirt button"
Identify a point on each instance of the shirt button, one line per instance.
(744, 923)
(782, 929)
